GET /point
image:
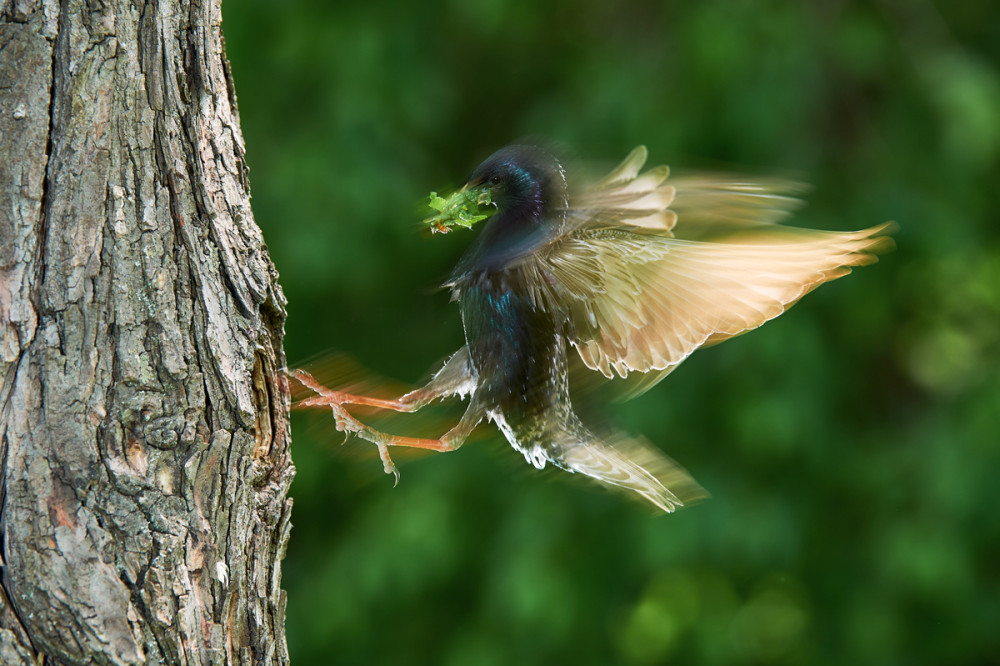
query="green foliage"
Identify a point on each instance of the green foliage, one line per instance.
(851, 446)
(462, 209)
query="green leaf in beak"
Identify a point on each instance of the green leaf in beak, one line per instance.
(462, 209)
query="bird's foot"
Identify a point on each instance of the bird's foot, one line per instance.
(325, 396)
(347, 423)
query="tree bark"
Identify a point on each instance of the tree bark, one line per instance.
(144, 437)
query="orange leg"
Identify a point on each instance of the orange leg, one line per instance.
(347, 423)
(325, 396)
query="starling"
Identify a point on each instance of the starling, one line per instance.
(629, 274)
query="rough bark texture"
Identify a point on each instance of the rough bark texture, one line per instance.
(143, 433)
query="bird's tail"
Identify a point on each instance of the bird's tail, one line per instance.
(629, 463)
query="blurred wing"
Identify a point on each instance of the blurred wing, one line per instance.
(700, 203)
(707, 203)
(640, 300)
(625, 196)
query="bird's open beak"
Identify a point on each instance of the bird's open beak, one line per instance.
(462, 209)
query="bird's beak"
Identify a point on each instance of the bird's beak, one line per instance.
(462, 209)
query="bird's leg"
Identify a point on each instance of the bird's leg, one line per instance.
(346, 422)
(325, 396)
(456, 377)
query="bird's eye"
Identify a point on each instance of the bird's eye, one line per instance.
(494, 180)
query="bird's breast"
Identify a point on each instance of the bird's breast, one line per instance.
(511, 343)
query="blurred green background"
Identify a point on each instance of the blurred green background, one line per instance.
(851, 446)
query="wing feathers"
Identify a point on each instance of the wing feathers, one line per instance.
(706, 292)
(627, 197)
(640, 300)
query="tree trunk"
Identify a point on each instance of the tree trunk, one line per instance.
(144, 437)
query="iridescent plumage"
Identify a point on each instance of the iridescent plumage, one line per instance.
(632, 274)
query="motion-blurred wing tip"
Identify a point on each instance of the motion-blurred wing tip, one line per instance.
(873, 242)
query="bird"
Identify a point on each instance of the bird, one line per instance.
(628, 274)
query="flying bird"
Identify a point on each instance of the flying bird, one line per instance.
(631, 274)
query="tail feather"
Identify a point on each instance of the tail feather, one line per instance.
(630, 464)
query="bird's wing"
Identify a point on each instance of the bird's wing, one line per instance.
(702, 203)
(711, 203)
(626, 196)
(640, 300)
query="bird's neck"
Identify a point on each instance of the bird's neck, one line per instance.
(508, 236)
(515, 223)
(525, 223)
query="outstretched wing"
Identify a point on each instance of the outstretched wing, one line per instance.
(643, 301)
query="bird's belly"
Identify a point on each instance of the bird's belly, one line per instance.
(541, 435)
(523, 382)
(519, 354)
(533, 450)
(521, 368)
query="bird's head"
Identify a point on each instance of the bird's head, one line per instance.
(519, 177)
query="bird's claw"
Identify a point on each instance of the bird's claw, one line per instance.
(346, 423)
(349, 425)
(387, 464)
